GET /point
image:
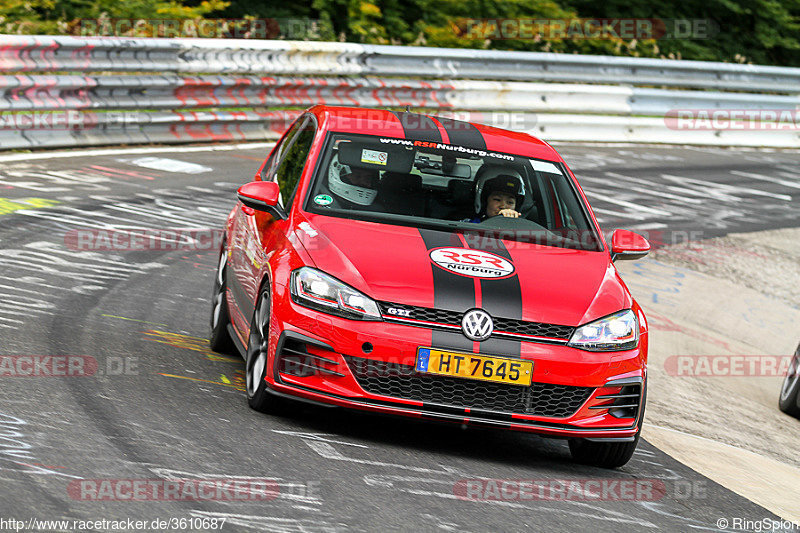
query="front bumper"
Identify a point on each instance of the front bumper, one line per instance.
(369, 366)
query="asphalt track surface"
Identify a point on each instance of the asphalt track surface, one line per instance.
(161, 405)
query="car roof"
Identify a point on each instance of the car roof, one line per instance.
(432, 128)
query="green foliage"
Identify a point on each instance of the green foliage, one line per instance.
(753, 31)
(64, 16)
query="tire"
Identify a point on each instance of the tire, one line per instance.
(789, 400)
(603, 454)
(257, 357)
(220, 339)
(607, 454)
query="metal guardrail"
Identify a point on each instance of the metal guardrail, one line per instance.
(170, 91)
(244, 56)
(80, 128)
(177, 90)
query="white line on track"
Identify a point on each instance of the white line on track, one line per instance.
(652, 225)
(771, 179)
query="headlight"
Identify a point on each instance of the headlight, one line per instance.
(613, 333)
(317, 290)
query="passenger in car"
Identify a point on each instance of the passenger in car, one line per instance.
(498, 196)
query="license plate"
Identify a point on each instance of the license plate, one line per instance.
(473, 366)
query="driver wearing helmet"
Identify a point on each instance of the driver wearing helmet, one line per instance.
(500, 192)
(357, 186)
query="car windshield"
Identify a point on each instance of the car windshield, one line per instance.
(451, 188)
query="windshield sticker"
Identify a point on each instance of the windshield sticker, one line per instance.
(373, 156)
(472, 263)
(323, 199)
(544, 166)
(448, 147)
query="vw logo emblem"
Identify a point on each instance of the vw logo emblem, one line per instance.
(477, 325)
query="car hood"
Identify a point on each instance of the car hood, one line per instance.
(394, 264)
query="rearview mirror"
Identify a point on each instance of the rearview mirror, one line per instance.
(262, 196)
(628, 245)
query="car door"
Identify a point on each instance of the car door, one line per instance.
(241, 308)
(259, 232)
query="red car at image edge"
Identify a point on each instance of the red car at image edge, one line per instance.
(416, 265)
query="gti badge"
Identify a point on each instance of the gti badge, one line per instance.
(477, 325)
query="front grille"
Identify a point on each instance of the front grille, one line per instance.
(424, 313)
(501, 325)
(536, 329)
(404, 382)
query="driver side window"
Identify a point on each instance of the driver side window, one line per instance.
(291, 166)
(290, 157)
(268, 174)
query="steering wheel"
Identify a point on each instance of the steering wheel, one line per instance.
(501, 222)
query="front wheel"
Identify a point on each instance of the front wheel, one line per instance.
(603, 454)
(789, 401)
(257, 355)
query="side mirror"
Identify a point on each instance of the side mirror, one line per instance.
(262, 196)
(628, 245)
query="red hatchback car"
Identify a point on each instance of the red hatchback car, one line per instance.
(416, 265)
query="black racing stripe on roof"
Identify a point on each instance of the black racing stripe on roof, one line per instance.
(419, 127)
(462, 133)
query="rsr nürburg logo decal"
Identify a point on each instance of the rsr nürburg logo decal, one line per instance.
(472, 263)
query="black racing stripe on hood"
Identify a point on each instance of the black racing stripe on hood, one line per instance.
(450, 291)
(462, 133)
(500, 298)
(419, 127)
